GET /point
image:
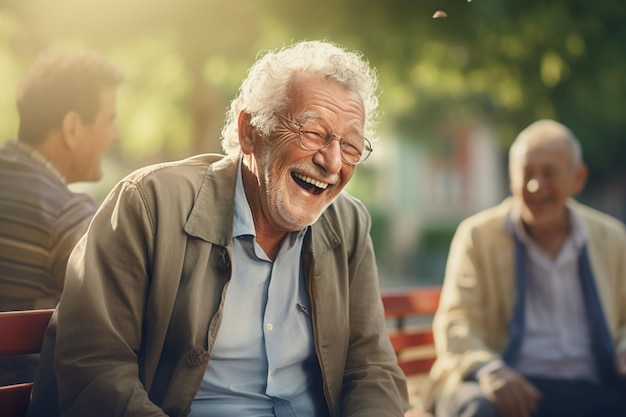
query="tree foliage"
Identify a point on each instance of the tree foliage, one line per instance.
(503, 63)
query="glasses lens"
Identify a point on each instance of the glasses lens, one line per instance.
(354, 148)
(314, 134)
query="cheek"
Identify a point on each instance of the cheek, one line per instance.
(274, 151)
(565, 191)
(112, 134)
(346, 173)
(518, 186)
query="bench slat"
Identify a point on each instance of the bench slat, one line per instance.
(401, 305)
(416, 366)
(402, 340)
(420, 301)
(21, 333)
(14, 399)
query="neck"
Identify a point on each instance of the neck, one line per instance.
(41, 154)
(270, 243)
(550, 237)
(268, 236)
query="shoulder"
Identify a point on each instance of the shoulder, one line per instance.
(599, 225)
(174, 178)
(347, 201)
(345, 220)
(79, 205)
(492, 218)
(347, 208)
(172, 185)
(190, 167)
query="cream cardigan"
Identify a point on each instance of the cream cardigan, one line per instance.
(471, 324)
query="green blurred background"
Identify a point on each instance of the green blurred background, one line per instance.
(455, 91)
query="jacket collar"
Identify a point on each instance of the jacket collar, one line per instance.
(323, 235)
(211, 217)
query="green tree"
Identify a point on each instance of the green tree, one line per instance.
(499, 62)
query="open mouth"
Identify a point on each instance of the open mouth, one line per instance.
(308, 183)
(540, 204)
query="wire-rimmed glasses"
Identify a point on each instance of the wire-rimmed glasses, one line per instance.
(314, 134)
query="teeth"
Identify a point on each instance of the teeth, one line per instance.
(310, 180)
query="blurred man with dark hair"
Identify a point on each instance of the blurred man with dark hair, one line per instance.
(66, 104)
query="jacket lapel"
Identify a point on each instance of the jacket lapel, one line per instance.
(214, 203)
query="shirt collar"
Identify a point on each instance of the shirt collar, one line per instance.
(39, 157)
(243, 224)
(515, 225)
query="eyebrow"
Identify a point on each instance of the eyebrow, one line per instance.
(312, 115)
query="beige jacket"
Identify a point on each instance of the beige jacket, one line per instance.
(143, 299)
(471, 324)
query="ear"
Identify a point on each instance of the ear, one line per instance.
(580, 178)
(70, 128)
(514, 177)
(247, 133)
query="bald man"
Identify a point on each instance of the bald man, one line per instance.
(532, 319)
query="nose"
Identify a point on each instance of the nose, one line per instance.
(329, 157)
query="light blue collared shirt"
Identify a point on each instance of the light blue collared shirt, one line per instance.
(263, 362)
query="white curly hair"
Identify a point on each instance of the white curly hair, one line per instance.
(265, 90)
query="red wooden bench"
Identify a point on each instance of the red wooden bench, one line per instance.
(21, 333)
(402, 305)
(409, 315)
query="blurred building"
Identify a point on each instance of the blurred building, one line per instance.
(419, 190)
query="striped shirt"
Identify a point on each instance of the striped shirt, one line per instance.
(41, 220)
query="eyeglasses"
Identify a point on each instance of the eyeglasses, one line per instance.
(314, 135)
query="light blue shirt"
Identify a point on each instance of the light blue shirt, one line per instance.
(263, 362)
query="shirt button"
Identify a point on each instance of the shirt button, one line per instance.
(269, 326)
